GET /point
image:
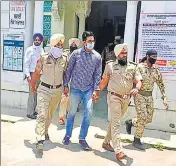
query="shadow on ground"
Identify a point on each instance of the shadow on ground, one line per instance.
(99, 118)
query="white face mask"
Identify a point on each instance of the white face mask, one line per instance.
(90, 46)
(56, 52)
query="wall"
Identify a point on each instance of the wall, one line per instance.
(57, 26)
(70, 24)
(162, 118)
(12, 83)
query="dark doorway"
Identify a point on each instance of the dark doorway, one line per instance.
(106, 20)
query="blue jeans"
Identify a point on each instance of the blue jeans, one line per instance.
(75, 98)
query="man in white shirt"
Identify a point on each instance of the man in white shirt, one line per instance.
(32, 55)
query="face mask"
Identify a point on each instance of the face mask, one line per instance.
(122, 61)
(152, 61)
(72, 48)
(90, 46)
(56, 52)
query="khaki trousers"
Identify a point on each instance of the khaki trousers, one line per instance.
(118, 108)
(145, 110)
(47, 103)
(64, 106)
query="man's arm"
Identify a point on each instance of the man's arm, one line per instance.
(27, 62)
(68, 72)
(138, 82)
(103, 83)
(97, 74)
(36, 74)
(160, 83)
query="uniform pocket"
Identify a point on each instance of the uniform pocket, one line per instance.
(61, 66)
(128, 75)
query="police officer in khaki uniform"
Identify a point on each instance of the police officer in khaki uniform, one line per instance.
(52, 64)
(120, 76)
(144, 100)
(65, 101)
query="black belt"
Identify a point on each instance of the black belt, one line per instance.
(121, 96)
(51, 86)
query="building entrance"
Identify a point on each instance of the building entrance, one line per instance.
(106, 20)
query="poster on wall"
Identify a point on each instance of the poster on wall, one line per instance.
(158, 31)
(13, 48)
(17, 15)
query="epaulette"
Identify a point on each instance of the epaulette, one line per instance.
(134, 63)
(66, 50)
(109, 61)
(44, 54)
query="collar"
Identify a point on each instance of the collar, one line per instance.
(145, 65)
(117, 63)
(51, 57)
(87, 53)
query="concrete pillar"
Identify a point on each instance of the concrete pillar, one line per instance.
(69, 22)
(29, 24)
(130, 27)
(38, 17)
(82, 19)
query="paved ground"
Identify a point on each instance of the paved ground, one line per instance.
(18, 146)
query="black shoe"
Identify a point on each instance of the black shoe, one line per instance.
(31, 116)
(40, 146)
(129, 125)
(66, 141)
(35, 114)
(84, 145)
(47, 137)
(137, 143)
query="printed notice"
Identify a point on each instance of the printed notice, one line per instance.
(158, 31)
(13, 46)
(17, 14)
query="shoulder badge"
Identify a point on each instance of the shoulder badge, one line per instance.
(45, 54)
(131, 62)
(110, 61)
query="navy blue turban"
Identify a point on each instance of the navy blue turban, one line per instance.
(39, 35)
(151, 52)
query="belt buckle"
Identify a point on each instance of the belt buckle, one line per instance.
(125, 96)
(54, 86)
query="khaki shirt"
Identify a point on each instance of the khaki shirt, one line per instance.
(150, 76)
(122, 77)
(67, 53)
(53, 69)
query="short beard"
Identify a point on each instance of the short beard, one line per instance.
(122, 62)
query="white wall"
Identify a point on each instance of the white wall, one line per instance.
(162, 117)
(11, 81)
(170, 81)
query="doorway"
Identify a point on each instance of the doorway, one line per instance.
(106, 20)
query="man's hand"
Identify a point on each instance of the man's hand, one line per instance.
(165, 103)
(95, 96)
(29, 79)
(66, 91)
(134, 92)
(33, 89)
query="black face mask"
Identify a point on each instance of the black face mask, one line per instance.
(152, 61)
(73, 48)
(122, 61)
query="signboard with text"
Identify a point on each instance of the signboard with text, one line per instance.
(17, 16)
(13, 49)
(158, 31)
